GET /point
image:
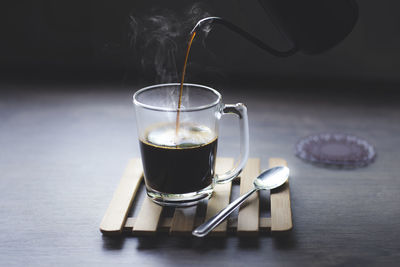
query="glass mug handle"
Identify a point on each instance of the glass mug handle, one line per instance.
(241, 111)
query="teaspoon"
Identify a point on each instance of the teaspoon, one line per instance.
(269, 179)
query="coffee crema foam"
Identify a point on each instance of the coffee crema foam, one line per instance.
(189, 135)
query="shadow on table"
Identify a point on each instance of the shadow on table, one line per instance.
(249, 242)
(199, 244)
(284, 240)
(113, 242)
(281, 241)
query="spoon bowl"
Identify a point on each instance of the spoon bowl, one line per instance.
(272, 178)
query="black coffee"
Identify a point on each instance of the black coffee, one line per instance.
(179, 164)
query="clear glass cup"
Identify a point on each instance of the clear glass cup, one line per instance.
(179, 149)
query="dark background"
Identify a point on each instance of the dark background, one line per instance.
(70, 40)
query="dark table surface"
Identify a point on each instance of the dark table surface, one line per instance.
(63, 149)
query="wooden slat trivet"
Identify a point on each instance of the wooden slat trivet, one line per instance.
(149, 220)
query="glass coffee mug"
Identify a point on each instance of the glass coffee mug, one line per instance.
(179, 147)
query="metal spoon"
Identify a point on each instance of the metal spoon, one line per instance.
(269, 179)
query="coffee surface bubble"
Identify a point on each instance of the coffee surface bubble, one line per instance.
(189, 135)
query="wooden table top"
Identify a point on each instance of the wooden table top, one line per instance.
(65, 147)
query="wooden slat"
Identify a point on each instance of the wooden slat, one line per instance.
(281, 213)
(147, 220)
(265, 224)
(183, 221)
(163, 225)
(114, 219)
(248, 218)
(221, 196)
(130, 222)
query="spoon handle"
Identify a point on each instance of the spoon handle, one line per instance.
(214, 221)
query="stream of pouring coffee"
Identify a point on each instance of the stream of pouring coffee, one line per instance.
(182, 81)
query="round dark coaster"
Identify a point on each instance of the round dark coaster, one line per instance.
(336, 149)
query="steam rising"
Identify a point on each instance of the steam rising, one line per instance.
(160, 40)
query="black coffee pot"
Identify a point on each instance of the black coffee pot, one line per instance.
(312, 26)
